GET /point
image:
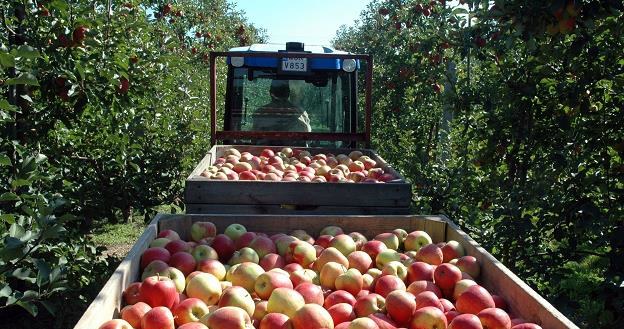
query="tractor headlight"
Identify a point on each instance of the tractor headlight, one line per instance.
(348, 65)
(237, 61)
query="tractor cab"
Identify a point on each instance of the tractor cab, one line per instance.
(290, 95)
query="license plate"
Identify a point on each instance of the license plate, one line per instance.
(295, 64)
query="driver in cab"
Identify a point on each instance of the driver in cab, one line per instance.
(281, 114)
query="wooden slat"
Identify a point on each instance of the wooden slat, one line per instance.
(108, 302)
(259, 209)
(297, 193)
(271, 224)
(519, 296)
(203, 164)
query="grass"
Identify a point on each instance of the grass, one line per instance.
(118, 234)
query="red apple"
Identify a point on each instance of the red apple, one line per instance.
(451, 250)
(213, 267)
(189, 310)
(450, 315)
(470, 265)
(373, 248)
(312, 293)
(430, 254)
(271, 261)
(494, 318)
(286, 301)
(169, 234)
(360, 260)
(302, 253)
(465, 321)
(175, 246)
(245, 275)
(446, 276)
(228, 317)
(193, 325)
(419, 286)
(134, 313)
(526, 326)
(344, 243)
(342, 312)
(337, 297)
(159, 291)
(266, 282)
(263, 246)
(428, 318)
(387, 284)
(461, 286)
(400, 306)
(204, 286)
(224, 246)
(183, 261)
(245, 239)
(427, 299)
(383, 321)
(158, 318)
(389, 239)
(312, 316)
(419, 271)
(369, 304)
(416, 240)
(275, 321)
(499, 302)
(474, 300)
(132, 293)
(331, 230)
(202, 230)
(351, 281)
(324, 241)
(238, 297)
(154, 253)
(447, 305)
(116, 324)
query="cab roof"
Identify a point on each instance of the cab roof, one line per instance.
(273, 62)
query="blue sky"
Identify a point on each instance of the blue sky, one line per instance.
(313, 22)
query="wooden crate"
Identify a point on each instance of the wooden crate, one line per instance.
(523, 301)
(202, 195)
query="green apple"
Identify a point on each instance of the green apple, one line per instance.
(234, 231)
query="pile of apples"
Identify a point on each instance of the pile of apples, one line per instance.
(246, 280)
(290, 165)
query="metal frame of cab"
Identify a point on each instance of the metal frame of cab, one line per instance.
(216, 135)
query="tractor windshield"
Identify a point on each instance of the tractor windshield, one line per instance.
(261, 100)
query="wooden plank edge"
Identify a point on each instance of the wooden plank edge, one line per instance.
(556, 319)
(107, 303)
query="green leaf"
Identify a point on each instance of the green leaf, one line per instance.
(7, 218)
(28, 52)
(7, 60)
(23, 79)
(43, 274)
(24, 274)
(5, 105)
(28, 306)
(9, 196)
(459, 11)
(5, 291)
(20, 182)
(48, 306)
(4, 160)
(53, 232)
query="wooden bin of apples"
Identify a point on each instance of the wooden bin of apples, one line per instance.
(285, 180)
(313, 272)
